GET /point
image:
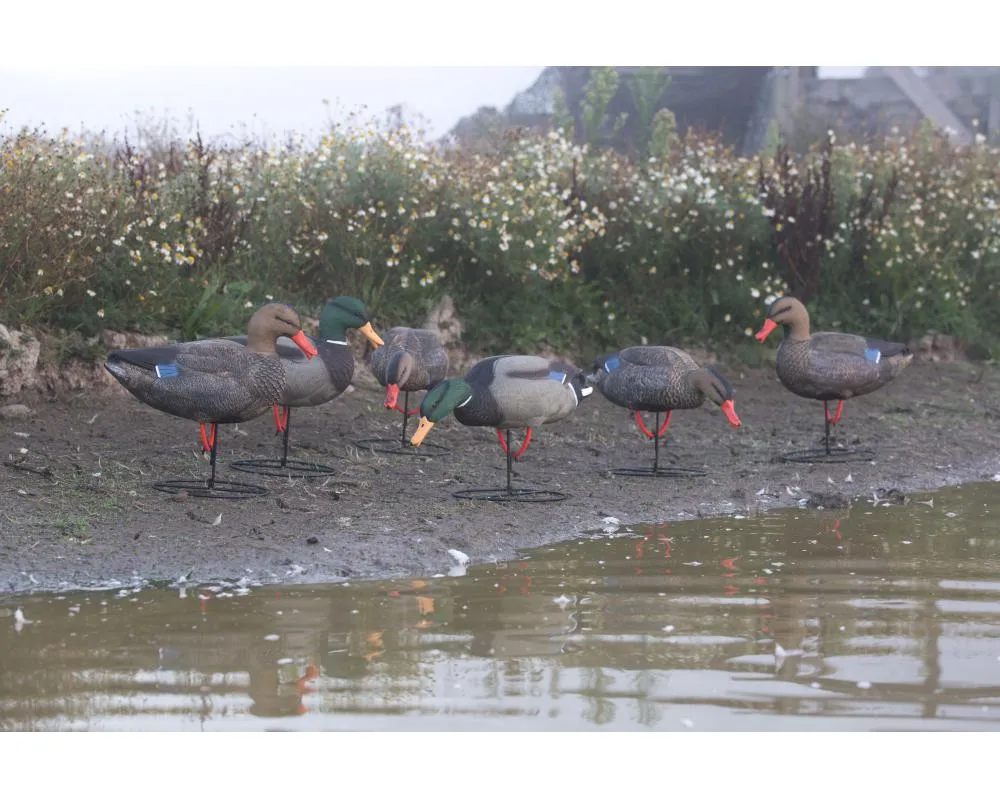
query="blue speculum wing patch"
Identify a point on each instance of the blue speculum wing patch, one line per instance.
(557, 376)
(612, 364)
(873, 354)
(166, 371)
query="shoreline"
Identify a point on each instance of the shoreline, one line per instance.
(78, 512)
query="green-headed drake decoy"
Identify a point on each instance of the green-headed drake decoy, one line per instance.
(214, 381)
(660, 379)
(411, 360)
(829, 366)
(506, 392)
(312, 382)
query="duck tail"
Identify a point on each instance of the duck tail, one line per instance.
(580, 386)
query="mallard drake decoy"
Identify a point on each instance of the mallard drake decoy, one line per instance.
(214, 381)
(829, 365)
(411, 360)
(506, 392)
(661, 379)
(314, 382)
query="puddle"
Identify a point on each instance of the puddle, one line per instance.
(873, 618)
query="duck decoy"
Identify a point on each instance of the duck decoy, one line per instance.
(411, 360)
(660, 379)
(506, 392)
(312, 382)
(214, 382)
(829, 366)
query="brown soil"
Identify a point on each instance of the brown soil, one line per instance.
(77, 509)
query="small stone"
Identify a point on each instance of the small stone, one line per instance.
(312, 540)
(16, 411)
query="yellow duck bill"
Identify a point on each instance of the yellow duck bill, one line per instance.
(422, 430)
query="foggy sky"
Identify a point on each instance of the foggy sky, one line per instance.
(265, 99)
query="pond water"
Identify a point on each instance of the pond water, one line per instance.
(881, 617)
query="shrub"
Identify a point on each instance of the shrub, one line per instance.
(541, 242)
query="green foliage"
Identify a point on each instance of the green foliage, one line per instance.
(772, 139)
(600, 90)
(663, 138)
(542, 243)
(647, 87)
(562, 119)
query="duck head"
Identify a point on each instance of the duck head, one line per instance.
(788, 312)
(397, 372)
(717, 388)
(438, 403)
(271, 321)
(342, 313)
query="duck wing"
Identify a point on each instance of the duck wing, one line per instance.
(209, 380)
(844, 344)
(652, 378)
(207, 356)
(429, 352)
(657, 356)
(526, 391)
(843, 365)
(286, 348)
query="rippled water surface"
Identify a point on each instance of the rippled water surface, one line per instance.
(876, 618)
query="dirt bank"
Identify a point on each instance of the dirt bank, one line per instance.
(78, 508)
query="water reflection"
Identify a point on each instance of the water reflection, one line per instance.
(872, 618)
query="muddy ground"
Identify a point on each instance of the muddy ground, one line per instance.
(76, 507)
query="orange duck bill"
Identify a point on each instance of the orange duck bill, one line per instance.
(391, 395)
(422, 430)
(304, 344)
(764, 332)
(370, 334)
(730, 411)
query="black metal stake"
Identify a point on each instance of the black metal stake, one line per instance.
(215, 445)
(656, 444)
(428, 449)
(656, 471)
(510, 462)
(284, 466)
(406, 418)
(500, 495)
(828, 454)
(218, 490)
